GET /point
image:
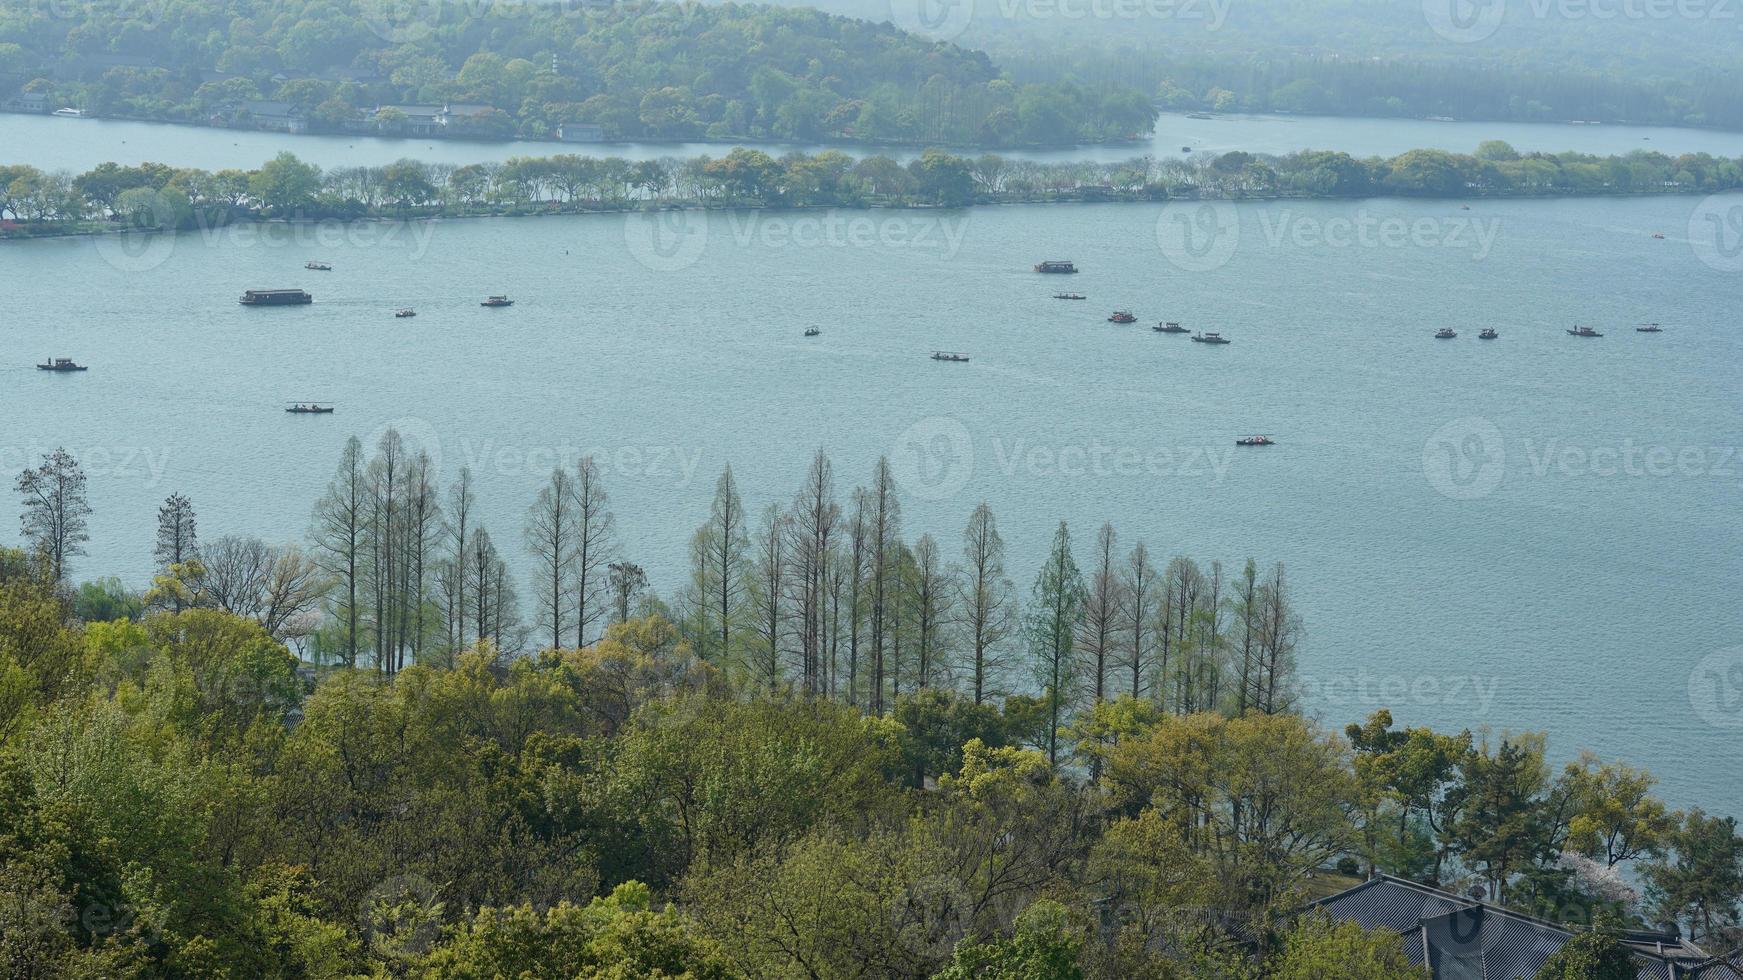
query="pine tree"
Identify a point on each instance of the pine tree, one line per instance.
(177, 540)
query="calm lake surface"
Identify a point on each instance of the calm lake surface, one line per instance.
(79, 144)
(1538, 532)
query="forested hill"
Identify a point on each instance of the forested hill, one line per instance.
(1528, 61)
(646, 70)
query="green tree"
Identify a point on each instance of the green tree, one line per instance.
(936, 724)
(620, 935)
(1616, 818)
(708, 779)
(1700, 883)
(1315, 948)
(1590, 956)
(943, 179)
(1502, 825)
(1045, 946)
(285, 185)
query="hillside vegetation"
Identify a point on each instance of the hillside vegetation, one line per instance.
(660, 71)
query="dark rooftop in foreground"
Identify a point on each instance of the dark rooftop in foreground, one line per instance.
(1461, 938)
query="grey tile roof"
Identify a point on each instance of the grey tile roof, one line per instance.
(1465, 939)
(1390, 903)
(1726, 967)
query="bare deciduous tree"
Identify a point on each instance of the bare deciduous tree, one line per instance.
(1096, 635)
(768, 619)
(56, 518)
(812, 530)
(933, 608)
(718, 571)
(338, 535)
(275, 587)
(593, 525)
(1138, 590)
(883, 515)
(987, 600)
(550, 536)
(452, 574)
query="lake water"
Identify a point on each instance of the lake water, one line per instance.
(1539, 532)
(79, 144)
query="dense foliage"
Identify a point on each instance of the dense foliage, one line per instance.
(1544, 61)
(1404, 87)
(153, 196)
(648, 70)
(827, 755)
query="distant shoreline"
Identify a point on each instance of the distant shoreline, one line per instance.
(869, 144)
(97, 229)
(151, 198)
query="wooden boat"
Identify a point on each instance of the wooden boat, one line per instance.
(1649, 328)
(1583, 332)
(497, 301)
(1445, 333)
(812, 331)
(1658, 235)
(275, 297)
(1056, 267)
(318, 266)
(309, 408)
(1255, 441)
(945, 355)
(1488, 333)
(60, 364)
(408, 311)
(1122, 316)
(1209, 338)
(1169, 327)
(1199, 115)
(1069, 296)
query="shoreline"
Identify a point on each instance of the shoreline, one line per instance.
(151, 198)
(830, 142)
(976, 148)
(107, 228)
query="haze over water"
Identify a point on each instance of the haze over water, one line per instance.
(79, 144)
(1469, 544)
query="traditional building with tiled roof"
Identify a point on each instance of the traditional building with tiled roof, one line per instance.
(1460, 938)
